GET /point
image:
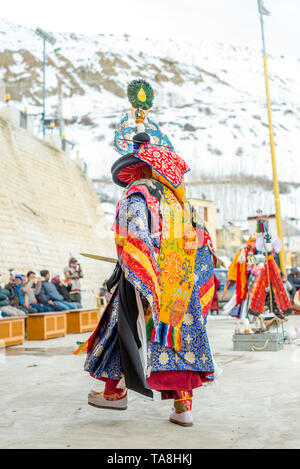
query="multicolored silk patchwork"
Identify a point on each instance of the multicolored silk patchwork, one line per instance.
(206, 293)
(165, 276)
(270, 272)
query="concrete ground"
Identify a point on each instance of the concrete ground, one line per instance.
(255, 403)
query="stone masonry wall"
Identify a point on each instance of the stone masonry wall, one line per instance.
(49, 210)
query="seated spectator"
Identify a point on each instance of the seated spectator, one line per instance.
(5, 307)
(64, 290)
(43, 300)
(51, 293)
(16, 294)
(297, 299)
(32, 288)
(4, 297)
(294, 280)
(104, 291)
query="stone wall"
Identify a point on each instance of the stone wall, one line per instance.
(49, 210)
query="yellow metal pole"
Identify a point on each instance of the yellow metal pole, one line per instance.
(275, 179)
(274, 168)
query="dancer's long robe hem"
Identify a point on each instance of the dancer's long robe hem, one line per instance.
(119, 347)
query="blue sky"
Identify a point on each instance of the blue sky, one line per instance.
(229, 21)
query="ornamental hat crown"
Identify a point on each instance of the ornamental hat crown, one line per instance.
(144, 144)
(140, 94)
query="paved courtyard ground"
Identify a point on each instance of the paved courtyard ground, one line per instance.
(255, 403)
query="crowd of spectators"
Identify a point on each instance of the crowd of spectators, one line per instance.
(29, 294)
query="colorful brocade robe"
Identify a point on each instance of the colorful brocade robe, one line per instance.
(137, 211)
(165, 268)
(269, 273)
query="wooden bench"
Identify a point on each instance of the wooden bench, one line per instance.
(12, 331)
(82, 320)
(42, 326)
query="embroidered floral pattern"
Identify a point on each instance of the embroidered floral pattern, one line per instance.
(189, 240)
(166, 228)
(189, 339)
(188, 319)
(163, 358)
(182, 405)
(203, 358)
(189, 357)
(165, 161)
(173, 267)
(178, 309)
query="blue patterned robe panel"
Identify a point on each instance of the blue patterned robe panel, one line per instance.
(104, 360)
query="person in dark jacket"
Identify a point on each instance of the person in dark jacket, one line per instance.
(43, 300)
(64, 291)
(5, 307)
(16, 294)
(294, 280)
(4, 297)
(51, 293)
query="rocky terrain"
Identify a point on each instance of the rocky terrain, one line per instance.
(209, 99)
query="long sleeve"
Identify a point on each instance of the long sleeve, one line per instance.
(136, 249)
(133, 233)
(37, 288)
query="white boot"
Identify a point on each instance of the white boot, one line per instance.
(97, 399)
(185, 419)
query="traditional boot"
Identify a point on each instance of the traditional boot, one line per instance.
(182, 411)
(116, 400)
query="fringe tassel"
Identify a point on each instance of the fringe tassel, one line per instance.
(170, 337)
(173, 335)
(158, 335)
(261, 226)
(82, 348)
(149, 328)
(178, 340)
(165, 335)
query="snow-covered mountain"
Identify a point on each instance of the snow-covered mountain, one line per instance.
(209, 99)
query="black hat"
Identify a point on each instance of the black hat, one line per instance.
(44, 273)
(139, 139)
(124, 169)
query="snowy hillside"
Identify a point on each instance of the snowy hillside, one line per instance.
(209, 99)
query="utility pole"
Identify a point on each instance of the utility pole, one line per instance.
(44, 88)
(262, 12)
(49, 38)
(60, 109)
